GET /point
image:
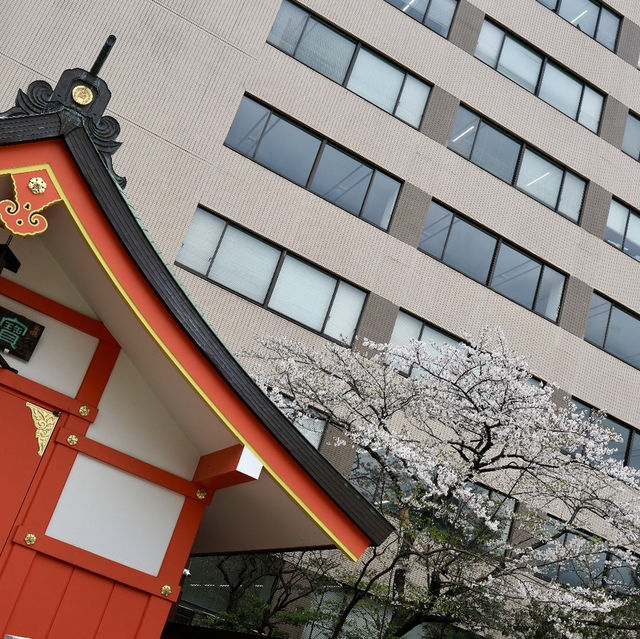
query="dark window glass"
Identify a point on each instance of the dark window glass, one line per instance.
(515, 276)
(267, 275)
(341, 179)
(632, 239)
(623, 337)
(437, 15)
(597, 320)
(436, 229)
(288, 26)
(469, 250)
(381, 199)
(291, 151)
(440, 16)
(464, 132)
(495, 152)
(550, 293)
(288, 150)
(619, 448)
(325, 50)
(247, 126)
(589, 17)
(631, 140)
(558, 87)
(634, 452)
(540, 178)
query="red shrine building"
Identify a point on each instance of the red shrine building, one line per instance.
(130, 436)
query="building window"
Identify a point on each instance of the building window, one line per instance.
(349, 63)
(631, 140)
(313, 163)
(513, 161)
(271, 277)
(628, 450)
(436, 15)
(492, 261)
(312, 426)
(623, 229)
(539, 75)
(615, 330)
(590, 17)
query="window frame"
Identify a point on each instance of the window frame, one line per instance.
(546, 59)
(635, 116)
(500, 240)
(523, 147)
(359, 45)
(323, 142)
(284, 252)
(595, 31)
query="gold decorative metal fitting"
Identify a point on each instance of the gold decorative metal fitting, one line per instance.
(201, 493)
(37, 185)
(44, 421)
(72, 440)
(30, 539)
(166, 591)
(82, 95)
(84, 410)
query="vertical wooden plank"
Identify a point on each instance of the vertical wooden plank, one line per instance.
(40, 598)
(82, 606)
(154, 619)
(13, 574)
(123, 614)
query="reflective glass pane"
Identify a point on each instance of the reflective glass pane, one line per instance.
(520, 63)
(495, 152)
(288, 26)
(632, 240)
(489, 43)
(413, 8)
(302, 292)
(631, 140)
(440, 15)
(539, 178)
(325, 50)
(608, 26)
(597, 320)
(201, 241)
(550, 293)
(431, 335)
(634, 453)
(619, 447)
(469, 250)
(571, 196)
(616, 224)
(464, 132)
(582, 14)
(376, 80)
(549, 3)
(341, 179)
(247, 126)
(560, 90)
(312, 428)
(413, 100)
(591, 109)
(381, 199)
(623, 337)
(436, 229)
(405, 328)
(516, 276)
(244, 264)
(345, 312)
(288, 150)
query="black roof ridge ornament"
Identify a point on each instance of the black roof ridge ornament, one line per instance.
(80, 98)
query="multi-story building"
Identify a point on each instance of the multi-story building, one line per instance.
(385, 169)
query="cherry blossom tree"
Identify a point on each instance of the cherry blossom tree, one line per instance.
(513, 516)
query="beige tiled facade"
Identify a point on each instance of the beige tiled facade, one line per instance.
(180, 68)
